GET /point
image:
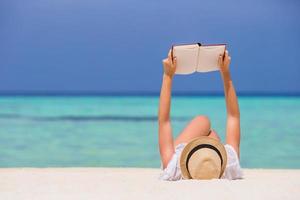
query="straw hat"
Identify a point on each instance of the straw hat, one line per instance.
(203, 158)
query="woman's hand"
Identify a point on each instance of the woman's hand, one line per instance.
(224, 62)
(169, 65)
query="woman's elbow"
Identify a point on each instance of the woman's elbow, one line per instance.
(234, 115)
(163, 120)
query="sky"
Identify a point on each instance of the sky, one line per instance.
(111, 46)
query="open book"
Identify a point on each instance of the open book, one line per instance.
(197, 57)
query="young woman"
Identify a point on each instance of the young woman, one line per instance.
(200, 125)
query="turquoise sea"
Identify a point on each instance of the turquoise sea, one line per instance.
(121, 131)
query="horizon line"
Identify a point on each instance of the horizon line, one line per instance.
(139, 93)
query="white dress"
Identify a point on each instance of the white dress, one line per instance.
(232, 171)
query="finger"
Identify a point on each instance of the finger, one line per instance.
(170, 54)
(170, 57)
(220, 60)
(226, 54)
(175, 61)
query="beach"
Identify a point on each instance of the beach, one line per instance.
(141, 183)
(85, 148)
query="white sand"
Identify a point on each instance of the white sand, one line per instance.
(130, 183)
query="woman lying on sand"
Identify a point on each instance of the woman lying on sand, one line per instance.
(197, 152)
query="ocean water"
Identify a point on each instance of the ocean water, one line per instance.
(121, 131)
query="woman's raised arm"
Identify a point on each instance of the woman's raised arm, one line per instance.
(232, 106)
(166, 146)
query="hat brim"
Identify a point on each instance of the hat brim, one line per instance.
(195, 143)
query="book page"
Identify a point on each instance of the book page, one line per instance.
(208, 57)
(187, 58)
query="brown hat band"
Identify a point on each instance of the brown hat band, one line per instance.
(200, 147)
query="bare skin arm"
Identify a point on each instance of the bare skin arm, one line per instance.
(166, 145)
(232, 106)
